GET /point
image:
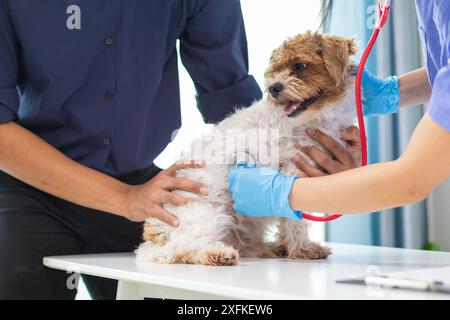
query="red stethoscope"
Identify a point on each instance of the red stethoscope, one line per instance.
(384, 8)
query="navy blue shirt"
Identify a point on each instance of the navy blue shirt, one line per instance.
(98, 79)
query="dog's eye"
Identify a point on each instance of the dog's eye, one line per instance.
(299, 67)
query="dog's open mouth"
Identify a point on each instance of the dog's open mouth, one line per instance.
(295, 108)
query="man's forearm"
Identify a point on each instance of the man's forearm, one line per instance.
(33, 161)
(414, 88)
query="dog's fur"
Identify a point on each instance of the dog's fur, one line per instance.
(210, 232)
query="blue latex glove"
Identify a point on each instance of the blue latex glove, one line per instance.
(262, 192)
(380, 96)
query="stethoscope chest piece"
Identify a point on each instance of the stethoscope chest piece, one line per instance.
(241, 160)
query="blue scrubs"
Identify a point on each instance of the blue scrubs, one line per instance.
(434, 26)
(98, 79)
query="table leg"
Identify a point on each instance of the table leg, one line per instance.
(127, 290)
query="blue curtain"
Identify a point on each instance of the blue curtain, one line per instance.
(398, 51)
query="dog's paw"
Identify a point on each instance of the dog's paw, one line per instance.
(312, 251)
(155, 233)
(183, 258)
(220, 257)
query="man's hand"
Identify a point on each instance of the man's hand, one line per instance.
(341, 159)
(147, 200)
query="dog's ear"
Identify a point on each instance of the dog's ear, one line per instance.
(273, 55)
(336, 52)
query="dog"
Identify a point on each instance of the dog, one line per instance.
(309, 84)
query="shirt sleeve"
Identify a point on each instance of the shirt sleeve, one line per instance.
(214, 50)
(439, 109)
(9, 97)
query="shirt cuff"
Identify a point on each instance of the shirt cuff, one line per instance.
(214, 106)
(439, 109)
(9, 105)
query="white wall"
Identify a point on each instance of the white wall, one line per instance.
(439, 216)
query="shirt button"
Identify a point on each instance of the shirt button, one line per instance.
(109, 96)
(109, 41)
(106, 141)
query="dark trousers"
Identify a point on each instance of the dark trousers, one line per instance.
(34, 224)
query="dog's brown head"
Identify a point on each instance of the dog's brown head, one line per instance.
(308, 71)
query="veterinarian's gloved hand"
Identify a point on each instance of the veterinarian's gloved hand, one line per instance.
(380, 96)
(262, 192)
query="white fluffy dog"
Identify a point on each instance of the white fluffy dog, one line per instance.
(310, 85)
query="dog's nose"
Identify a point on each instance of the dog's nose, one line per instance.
(276, 89)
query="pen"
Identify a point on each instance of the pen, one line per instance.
(407, 284)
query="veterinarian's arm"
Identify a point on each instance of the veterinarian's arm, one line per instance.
(30, 159)
(424, 165)
(409, 179)
(415, 88)
(385, 96)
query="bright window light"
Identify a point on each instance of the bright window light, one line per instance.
(270, 22)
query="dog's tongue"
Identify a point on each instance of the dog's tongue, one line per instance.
(290, 109)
